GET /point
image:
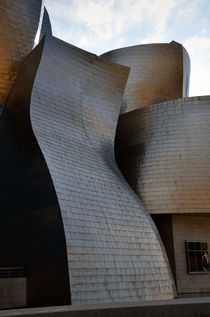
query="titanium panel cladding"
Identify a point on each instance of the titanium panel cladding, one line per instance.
(19, 21)
(46, 25)
(159, 72)
(114, 251)
(31, 222)
(164, 152)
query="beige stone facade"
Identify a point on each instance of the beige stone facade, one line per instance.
(13, 292)
(190, 228)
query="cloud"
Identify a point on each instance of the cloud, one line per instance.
(159, 14)
(198, 48)
(197, 44)
(105, 21)
(157, 37)
(102, 25)
(94, 14)
(188, 10)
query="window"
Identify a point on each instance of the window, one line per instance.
(197, 257)
(11, 272)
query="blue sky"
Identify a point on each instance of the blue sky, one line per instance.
(102, 25)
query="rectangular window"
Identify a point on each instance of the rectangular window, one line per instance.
(11, 272)
(197, 257)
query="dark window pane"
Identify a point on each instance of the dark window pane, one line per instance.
(197, 256)
(191, 245)
(9, 272)
(199, 261)
(203, 246)
(192, 261)
(197, 246)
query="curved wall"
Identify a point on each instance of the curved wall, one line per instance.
(31, 224)
(159, 72)
(114, 251)
(164, 152)
(46, 25)
(19, 21)
(186, 72)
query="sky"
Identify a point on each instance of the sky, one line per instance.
(99, 26)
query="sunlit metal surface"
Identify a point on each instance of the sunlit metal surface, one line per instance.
(186, 73)
(19, 20)
(114, 251)
(164, 152)
(159, 72)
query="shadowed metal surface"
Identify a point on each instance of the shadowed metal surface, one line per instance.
(164, 152)
(19, 21)
(114, 251)
(46, 25)
(159, 72)
(31, 225)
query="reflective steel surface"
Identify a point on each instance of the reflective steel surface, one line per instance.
(114, 251)
(31, 228)
(164, 153)
(46, 25)
(19, 21)
(159, 72)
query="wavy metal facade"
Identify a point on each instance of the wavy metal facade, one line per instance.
(31, 228)
(86, 236)
(19, 21)
(164, 153)
(159, 72)
(114, 251)
(46, 25)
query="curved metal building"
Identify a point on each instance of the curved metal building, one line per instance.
(159, 72)
(165, 155)
(163, 152)
(162, 149)
(19, 22)
(114, 252)
(31, 229)
(71, 224)
(46, 25)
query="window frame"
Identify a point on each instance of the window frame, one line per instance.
(198, 256)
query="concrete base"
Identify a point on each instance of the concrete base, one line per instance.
(12, 292)
(185, 307)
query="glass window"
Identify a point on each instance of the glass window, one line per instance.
(11, 272)
(197, 256)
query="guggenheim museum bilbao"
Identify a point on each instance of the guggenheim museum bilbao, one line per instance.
(105, 170)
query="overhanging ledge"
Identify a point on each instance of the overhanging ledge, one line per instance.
(186, 307)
